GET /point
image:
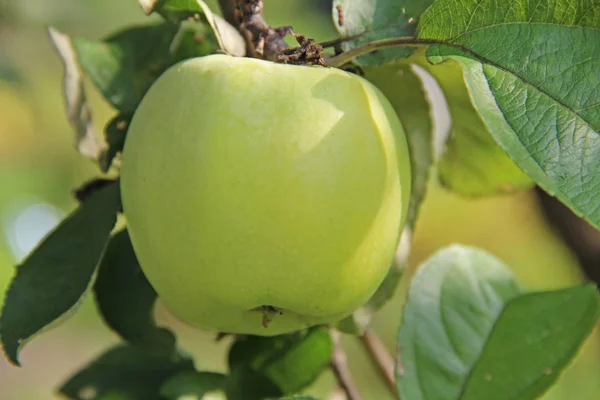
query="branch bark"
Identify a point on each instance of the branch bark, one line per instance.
(339, 366)
(265, 42)
(262, 40)
(381, 358)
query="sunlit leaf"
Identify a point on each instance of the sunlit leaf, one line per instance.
(454, 300)
(533, 340)
(541, 99)
(469, 334)
(471, 162)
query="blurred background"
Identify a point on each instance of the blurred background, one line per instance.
(39, 168)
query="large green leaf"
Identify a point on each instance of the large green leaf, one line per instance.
(469, 334)
(407, 94)
(453, 303)
(370, 20)
(125, 372)
(537, 91)
(126, 299)
(532, 341)
(53, 278)
(291, 362)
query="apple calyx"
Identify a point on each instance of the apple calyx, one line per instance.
(268, 313)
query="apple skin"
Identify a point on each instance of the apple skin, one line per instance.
(247, 183)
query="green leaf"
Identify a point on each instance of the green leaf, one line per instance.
(227, 36)
(126, 298)
(116, 131)
(53, 278)
(453, 302)
(291, 362)
(193, 40)
(537, 91)
(534, 338)
(244, 383)
(406, 93)
(124, 65)
(471, 162)
(193, 383)
(131, 372)
(87, 140)
(372, 20)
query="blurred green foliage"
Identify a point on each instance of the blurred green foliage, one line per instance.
(39, 168)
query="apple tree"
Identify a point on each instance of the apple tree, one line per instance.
(265, 187)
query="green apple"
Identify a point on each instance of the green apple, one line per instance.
(264, 198)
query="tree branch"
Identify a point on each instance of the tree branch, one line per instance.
(381, 358)
(340, 369)
(262, 40)
(265, 42)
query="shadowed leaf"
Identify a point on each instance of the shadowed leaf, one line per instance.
(53, 278)
(126, 299)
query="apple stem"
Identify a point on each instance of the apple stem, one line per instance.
(382, 359)
(339, 366)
